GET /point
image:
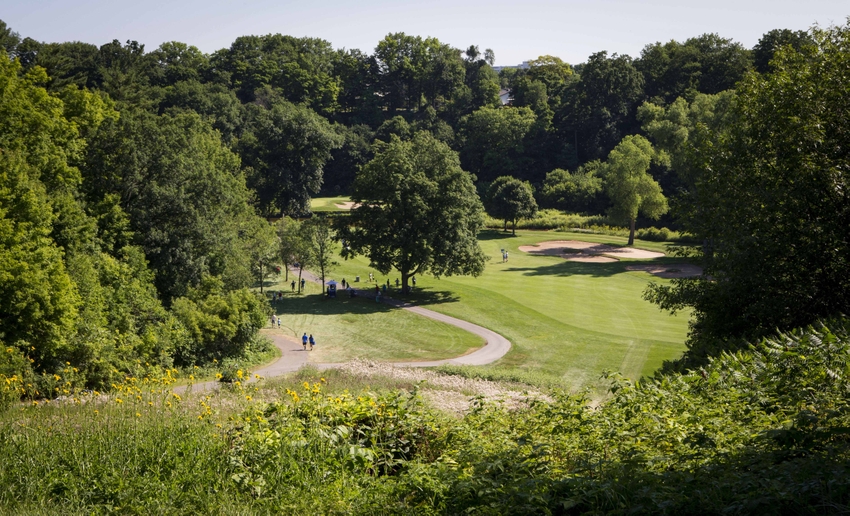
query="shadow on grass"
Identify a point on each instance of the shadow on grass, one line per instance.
(362, 304)
(426, 296)
(600, 270)
(492, 234)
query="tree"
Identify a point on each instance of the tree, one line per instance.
(182, 188)
(318, 237)
(773, 205)
(289, 242)
(262, 246)
(772, 41)
(704, 64)
(575, 192)
(9, 39)
(632, 190)
(417, 211)
(493, 140)
(598, 110)
(511, 199)
(284, 152)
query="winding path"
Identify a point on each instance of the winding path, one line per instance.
(293, 357)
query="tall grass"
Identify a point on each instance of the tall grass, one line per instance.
(757, 432)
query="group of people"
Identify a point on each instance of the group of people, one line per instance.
(305, 340)
(308, 340)
(303, 282)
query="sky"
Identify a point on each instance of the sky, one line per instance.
(516, 30)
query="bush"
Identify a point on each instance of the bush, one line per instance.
(549, 219)
(220, 325)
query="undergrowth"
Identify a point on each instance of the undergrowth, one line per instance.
(762, 431)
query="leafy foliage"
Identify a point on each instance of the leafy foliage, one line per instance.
(770, 203)
(417, 211)
(510, 199)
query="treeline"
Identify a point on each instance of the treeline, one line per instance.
(162, 161)
(329, 105)
(125, 238)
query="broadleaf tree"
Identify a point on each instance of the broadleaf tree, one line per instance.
(627, 181)
(417, 211)
(510, 199)
(318, 236)
(774, 210)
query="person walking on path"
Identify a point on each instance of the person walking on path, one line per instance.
(396, 283)
(384, 287)
(278, 323)
(414, 280)
(273, 320)
(293, 285)
(304, 341)
(312, 342)
(303, 281)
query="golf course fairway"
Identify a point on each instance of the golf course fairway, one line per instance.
(565, 319)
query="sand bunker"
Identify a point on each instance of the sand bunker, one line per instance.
(671, 270)
(577, 251)
(346, 205)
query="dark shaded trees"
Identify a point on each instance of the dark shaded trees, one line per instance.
(706, 64)
(492, 140)
(284, 152)
(599, 109)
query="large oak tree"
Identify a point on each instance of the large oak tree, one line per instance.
(417, 211)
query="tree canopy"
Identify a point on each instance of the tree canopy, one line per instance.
(773, 207)
(631, 189)
(510, 199)
(417, 211)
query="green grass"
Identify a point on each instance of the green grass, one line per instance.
(328, 203)
(346, 329)
(565, 319)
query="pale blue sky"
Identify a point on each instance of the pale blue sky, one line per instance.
(516, 30)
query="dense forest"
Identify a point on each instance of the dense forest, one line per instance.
(136, 183)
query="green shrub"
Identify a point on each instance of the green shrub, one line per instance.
(549, 219)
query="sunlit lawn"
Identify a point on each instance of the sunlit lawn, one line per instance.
(569, 319)
(328, 203)
(346, 329)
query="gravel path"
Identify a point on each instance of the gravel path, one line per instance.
(293, 357)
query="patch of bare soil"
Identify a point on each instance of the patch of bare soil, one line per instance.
(578, 251)
(446, 392)
(672, 270)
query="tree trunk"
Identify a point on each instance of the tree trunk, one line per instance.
(323, 278)
(299, 278)
(262, 277)
(513, 229)
(286, 274)
(506, 226)
(631, 232)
